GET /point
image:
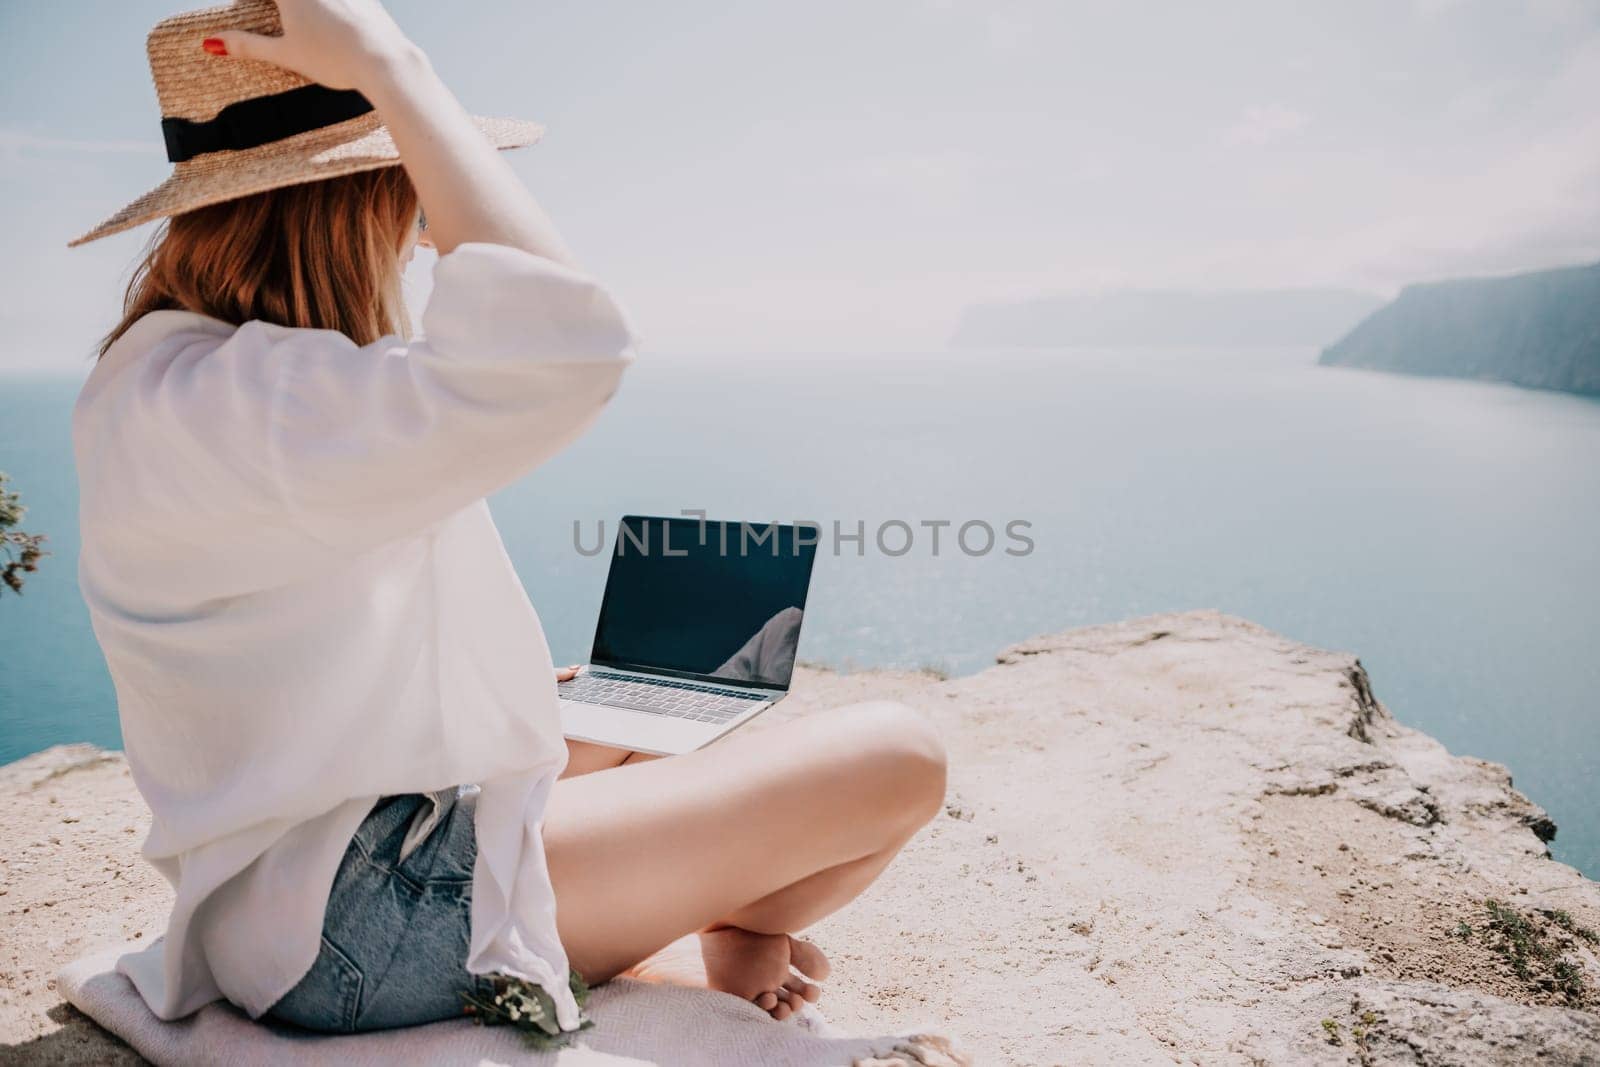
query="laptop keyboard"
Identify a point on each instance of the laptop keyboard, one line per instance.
(669, 696)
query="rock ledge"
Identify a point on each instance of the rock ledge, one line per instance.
(1175, 839)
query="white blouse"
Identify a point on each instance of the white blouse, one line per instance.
(304, 605)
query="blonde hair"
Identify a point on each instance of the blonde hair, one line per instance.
(322, 254)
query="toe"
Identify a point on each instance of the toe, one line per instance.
(767, 1001)
(808, 959)
(783, 1010)
(803, 989)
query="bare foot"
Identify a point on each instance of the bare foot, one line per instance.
(753, 966)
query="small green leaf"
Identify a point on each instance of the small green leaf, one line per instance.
(535, 1010)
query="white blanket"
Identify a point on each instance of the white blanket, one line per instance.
(635, 1023)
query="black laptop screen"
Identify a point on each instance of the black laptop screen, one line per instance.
(711, 600)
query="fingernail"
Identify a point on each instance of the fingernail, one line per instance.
(215, 46)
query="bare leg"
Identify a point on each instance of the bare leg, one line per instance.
(792, 908)
(775, 828)
(797, 906)
(584, 757)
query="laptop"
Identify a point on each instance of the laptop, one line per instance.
(697, 633)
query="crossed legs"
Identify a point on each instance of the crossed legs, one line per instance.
(699, 867)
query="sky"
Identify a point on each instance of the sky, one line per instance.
(849, 176)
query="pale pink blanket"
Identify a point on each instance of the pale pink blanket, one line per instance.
(636, 1023)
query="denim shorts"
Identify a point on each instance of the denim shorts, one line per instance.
(394, 940)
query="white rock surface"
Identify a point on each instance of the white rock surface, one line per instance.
(1181, 839)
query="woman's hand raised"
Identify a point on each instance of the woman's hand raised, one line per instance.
(343, 44)
(468, 191)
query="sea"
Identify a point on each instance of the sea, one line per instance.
(1447, 532)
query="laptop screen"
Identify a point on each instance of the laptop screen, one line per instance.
(718, 601)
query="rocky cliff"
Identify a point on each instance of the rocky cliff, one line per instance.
(1540, 330)
(1177, 839)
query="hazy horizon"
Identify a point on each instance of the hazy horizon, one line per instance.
(854, 177)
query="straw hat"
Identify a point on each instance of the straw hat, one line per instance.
(234, 127)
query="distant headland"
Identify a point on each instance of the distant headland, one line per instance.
(1540, 330)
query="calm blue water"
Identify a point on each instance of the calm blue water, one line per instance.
(1445, 531)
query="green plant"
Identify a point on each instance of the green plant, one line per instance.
(1533, 953)
(20, 551)
(1570, 925)
(1332, 1029)
(1361, 1031)
(526, 1006)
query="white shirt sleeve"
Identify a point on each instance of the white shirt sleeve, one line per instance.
(364, 444)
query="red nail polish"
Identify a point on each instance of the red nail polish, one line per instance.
(215, 46)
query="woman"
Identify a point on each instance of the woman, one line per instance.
(313, 628)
